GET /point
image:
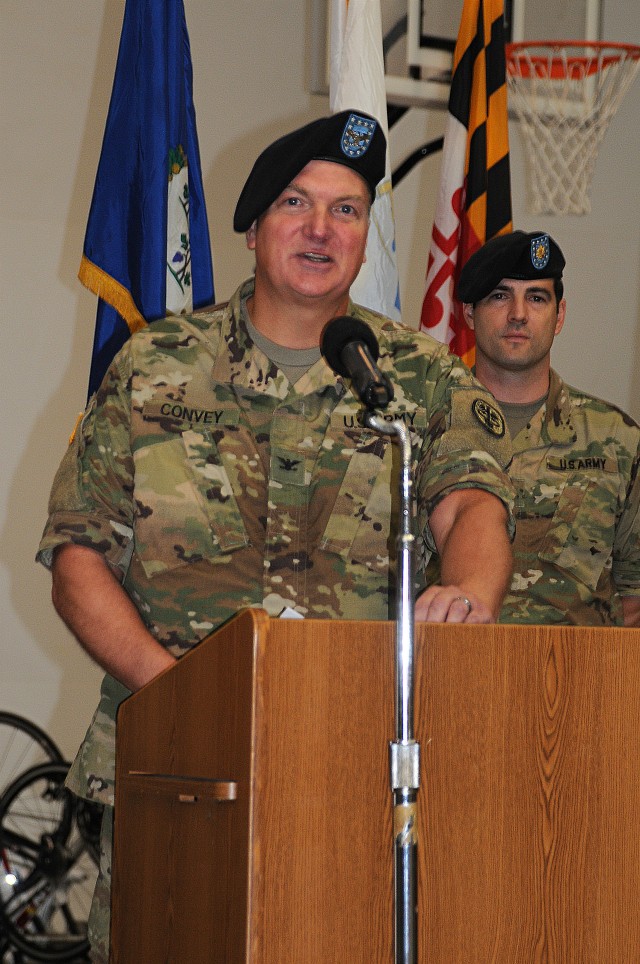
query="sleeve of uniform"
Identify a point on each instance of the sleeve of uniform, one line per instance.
(467, 444)
(626, 549)
(91, 498)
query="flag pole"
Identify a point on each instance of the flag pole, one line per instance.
(404, 751)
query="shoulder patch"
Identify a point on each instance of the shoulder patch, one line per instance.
(489, 416)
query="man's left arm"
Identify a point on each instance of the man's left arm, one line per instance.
(631, 610)
(469, 527)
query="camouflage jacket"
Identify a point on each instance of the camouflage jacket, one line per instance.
(210, 483)
(577, 546)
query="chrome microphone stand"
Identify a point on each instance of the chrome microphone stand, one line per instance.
(404, 751)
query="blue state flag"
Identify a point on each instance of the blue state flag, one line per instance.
(147, 251)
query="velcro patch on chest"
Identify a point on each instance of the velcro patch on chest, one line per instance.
(349, 420)
(581, 463)
(287, 467)
(188, 412)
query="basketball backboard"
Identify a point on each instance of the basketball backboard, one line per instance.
(420, 36)
(432, 28)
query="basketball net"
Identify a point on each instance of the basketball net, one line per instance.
(564, 94)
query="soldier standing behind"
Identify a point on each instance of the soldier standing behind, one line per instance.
(576, 458)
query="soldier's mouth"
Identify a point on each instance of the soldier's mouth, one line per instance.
(317, 258)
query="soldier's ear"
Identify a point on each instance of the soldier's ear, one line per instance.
(251, 237)
(562, 312)
(467, 311)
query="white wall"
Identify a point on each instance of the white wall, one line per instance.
(58, 59)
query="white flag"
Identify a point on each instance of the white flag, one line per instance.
(357, 82)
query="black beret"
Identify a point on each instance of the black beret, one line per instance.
(350, 138)
(518, 255)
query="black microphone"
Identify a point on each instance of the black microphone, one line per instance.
(351, 349)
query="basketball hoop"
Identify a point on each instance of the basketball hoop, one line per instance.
(564, 94)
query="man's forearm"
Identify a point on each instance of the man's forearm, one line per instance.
(100, 614)
(477, 554)
(476, 561)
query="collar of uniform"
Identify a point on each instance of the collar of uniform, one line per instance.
(241, 363)
(557, 418)
(238, 362)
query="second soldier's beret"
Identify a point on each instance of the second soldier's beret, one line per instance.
(350, 138)
(520, 255)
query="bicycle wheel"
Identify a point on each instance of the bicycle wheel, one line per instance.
(47, 872)
(22, 745)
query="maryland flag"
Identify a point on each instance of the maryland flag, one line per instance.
(474, 200)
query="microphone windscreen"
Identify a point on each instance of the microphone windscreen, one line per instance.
(342, 331)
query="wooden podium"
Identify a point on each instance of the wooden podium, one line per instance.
(253, 808)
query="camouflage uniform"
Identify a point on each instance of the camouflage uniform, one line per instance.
(577, 546)
(210, 483)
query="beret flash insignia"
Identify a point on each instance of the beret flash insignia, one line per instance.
(357, 135)
(489, 417)
(540, 252)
